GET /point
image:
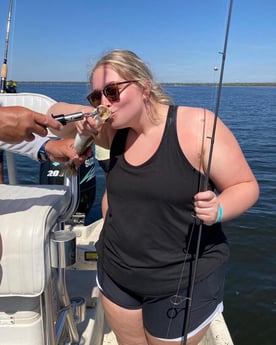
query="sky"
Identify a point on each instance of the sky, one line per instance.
(180, 40)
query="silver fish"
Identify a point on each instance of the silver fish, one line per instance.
(82, 142)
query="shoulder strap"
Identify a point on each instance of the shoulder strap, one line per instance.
(172, 113)
(171, 117)
(118, 146)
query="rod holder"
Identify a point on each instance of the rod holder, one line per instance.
(63, 248)
(78, 306)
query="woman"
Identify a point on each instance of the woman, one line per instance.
(158, 160)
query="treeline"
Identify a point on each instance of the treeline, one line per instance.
(168, 84)
(224, 84)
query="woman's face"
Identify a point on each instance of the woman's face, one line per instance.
(128, 109)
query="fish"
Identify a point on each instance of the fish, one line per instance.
(83, 142)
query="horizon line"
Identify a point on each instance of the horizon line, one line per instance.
(162, 83)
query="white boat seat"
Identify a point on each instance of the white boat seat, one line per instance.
(28, 214)
(34, 101)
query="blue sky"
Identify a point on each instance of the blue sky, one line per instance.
(180, 40)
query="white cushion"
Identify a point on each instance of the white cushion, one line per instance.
(36, 102)
(27, 215)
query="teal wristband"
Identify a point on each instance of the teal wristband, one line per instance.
(220, 213)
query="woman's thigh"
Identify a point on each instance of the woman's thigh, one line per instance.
(127, 324)
(163, 317)
(129, 328)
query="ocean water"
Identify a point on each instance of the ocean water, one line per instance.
(250, 112)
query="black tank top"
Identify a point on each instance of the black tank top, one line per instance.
(150, 219)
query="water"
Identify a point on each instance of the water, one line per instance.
(250, 112)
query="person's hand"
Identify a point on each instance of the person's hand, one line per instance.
(20, 123)
(87, 126)
(63, 151)
(206, 206)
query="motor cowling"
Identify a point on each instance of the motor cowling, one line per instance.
(51, 173)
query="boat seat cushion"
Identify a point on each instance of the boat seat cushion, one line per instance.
(27, 215)
(36, 102)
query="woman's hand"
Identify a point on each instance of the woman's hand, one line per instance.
(100, 130)
(206, 205)
(87, 126)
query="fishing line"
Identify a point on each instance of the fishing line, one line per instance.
(223, 56)
(217, 68)
(214, 87)
(177, 299)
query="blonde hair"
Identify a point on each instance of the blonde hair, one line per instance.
(129, 66)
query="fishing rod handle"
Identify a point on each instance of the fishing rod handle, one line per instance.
(4, 71)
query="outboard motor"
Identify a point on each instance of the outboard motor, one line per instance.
(51, 173)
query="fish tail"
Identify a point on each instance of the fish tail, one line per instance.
(69, 169)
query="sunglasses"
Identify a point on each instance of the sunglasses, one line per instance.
(111, 92)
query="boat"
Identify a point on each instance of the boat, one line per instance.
(48, 290)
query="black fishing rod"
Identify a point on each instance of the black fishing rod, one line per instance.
(207, 176)
(4, 70)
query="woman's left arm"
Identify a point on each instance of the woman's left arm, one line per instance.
(234, 180)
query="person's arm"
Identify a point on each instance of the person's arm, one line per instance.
(26, 148)
(84, 127)
(69, 130)
(56, 150)
(234, 180)
(20, 123)
(104, 204)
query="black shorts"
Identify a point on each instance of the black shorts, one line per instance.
(164, 315)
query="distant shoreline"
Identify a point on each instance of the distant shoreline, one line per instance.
(166, 84)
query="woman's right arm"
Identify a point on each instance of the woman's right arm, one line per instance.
(83, 127)
(69, 130)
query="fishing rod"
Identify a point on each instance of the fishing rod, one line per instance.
(4, 70)
(207, 176)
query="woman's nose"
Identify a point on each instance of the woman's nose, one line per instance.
(105, 101)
